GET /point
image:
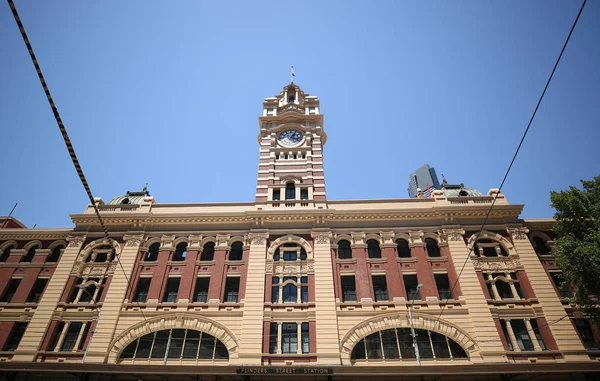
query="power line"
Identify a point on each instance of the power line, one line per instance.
(65, 136)
(517, 151)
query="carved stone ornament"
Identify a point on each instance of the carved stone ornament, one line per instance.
(518, 233)
(454, 235)
(269, 267)
(290, 270)
(75, 241)
(258, 238)
(194, 241)
(76, 268)
(322, 238)
(222, 240)
(358, 238)
(476, 264)
(167, 241)
(133, 241)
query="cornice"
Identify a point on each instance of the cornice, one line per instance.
(45, 234)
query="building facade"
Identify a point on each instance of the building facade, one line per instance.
(292, 284)
(424, 179)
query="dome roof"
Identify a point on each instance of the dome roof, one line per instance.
(134, 198)
(459, 190)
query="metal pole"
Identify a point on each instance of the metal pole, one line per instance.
(414, 337)
(97, 321)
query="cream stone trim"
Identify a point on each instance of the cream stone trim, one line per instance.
(287, 239)
(403, 236)
(169, 321)
(237, 238)
(99, 242)
(433, 236)
(206, 240)
(374, 236)
(506, 244)
(342, 237)
(291, 178)
(395, 320)
(179, 240)
(57, 243)
(149, 242)
(31, 244)
(6, 244)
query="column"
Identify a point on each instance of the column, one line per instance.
(563, 331)
(42, 317)
(99, 345)
(252, 324)
(536, 345)
(328, 346)
(511, 335)
(159, 273)
(364, 285)
(482, 328)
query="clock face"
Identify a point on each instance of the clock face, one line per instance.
(290, 137)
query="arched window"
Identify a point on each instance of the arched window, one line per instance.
(30, 254)
(540, 246)
(236, 252)
(101, 253)
(125, 201)
(432, 247)
(488, 248)
(208, 252)
(290, 191)
(402, 248)
(180, 252)
(373, 249)
(344, 250)
(6, 253)
(55, 255)
(176, 344)
(396, 344)
(290, 252)
(152, 254)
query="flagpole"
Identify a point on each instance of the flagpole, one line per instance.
(292, 75)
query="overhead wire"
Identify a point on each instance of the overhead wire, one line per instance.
(65, 135)
(516, 153)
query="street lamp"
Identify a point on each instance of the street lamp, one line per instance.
(84, 289)
(412, 330)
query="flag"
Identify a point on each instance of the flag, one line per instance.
(428, 191)
(293, 74)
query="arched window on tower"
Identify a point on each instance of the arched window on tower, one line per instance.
(344, 250)
(432, 247)
(208, 252)
(402, 248)
(152, 254)
(373, 249)
(236, 252)
(290, 191)
(180, 252)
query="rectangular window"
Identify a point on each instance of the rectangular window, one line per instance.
(36, 292)
(86, 330)
(275, 289)
(290, 291)
(290, 256)
(522, 335)
(75, 291)
(348, 288)
(537, 334)
(273, 338)
(14, 337)
(304, 291)
(380, 288)
(10, 290)
(506, 335)
(517, 285)
(232, 289)
(443, 286)
(586, 334)
(289, 338)
(290, 191)
(276, 195)
(411, 283)
(71, 336)
(303, 194)
(170, 295)
(201, 291)
(56, 335)
(305, 338)
(141, 293)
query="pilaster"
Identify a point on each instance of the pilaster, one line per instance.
(252, 323)
(98, 349)
(328, 346)
(40, 321)
(564, 333)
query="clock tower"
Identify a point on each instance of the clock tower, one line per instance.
(291, 139)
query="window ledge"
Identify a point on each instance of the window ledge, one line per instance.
(376, 260)
(345, 260)
(205, 263)
(149, 263)
(177, 263)
(235, 263)
(406, 260)
(437, 259)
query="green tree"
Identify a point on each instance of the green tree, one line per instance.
(578, 242)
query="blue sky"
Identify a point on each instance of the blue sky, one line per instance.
(169, 93)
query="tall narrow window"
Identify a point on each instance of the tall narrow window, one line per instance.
(141, 293)
(232, 289)
(55, 255)
(71, 336)
(10, 290)
(75, 290)
(522, 335)
(201, 291)
(208, 252)
(503, 323)
(348, 288)
(6, 253)
(402, 248)
(236, 252)
(443, 286)
(586, 334)
(344, 250)
(275, 290)
(303, 194)
(152, 254)
(30, 254)
(538, 335)
(380, 288)
(290, 191)
(411, 285)
(273, 338)
(373, 249)
(289, 338)
(305, 338)
(304, 289)
(180, 252)
(14, 337)
(38, 289)
(290, 291)
(432, 247)
(276, 195)
(170, 295)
